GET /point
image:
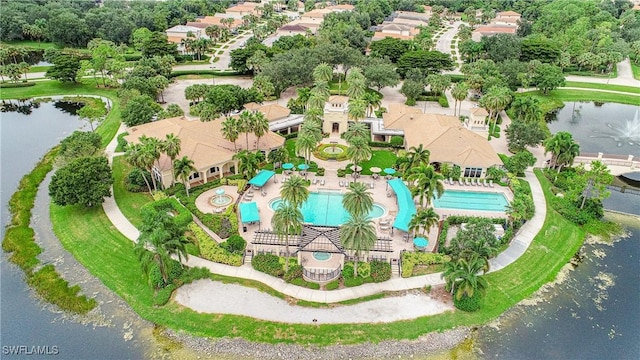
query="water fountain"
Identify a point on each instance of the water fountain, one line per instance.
(220, 199)
(627, 133)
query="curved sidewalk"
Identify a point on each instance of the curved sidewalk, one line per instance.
(518, 246)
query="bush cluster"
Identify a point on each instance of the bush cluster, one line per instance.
(321, 154)
(235, 244)
(333, 285)
(380, 271)
(6, 85)
(134, 182)
(182, 216)
(295, 272)
(268, 264)
(410, 259)
(210, 250)
(175, 269)
(304, 283)
(467, 303)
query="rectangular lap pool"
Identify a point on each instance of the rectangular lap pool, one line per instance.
(471, 200)
(325, 208)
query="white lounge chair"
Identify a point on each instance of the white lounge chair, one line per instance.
(459, 183)
(466, 182)
(341, 183)
(490, 183)
(451, 181)
(484, 183)
(314, 181)
(322, 182)
(473, 182)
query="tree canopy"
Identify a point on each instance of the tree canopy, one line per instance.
(83, 181)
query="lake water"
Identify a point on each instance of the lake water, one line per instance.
(111, 332)
(609, 128)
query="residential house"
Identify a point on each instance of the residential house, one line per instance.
(477, 119)
(505, 22)
(240, 10)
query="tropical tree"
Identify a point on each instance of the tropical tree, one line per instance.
(245, 125)
(562, 148)
(459, 93)
(260, 127)
(323, 72)
(496, 100)
(462, 276)
(134, 156)
(527, 109)
(520, 208)
(357, 109)
(278, 156)
(171, 147)
(182, 170)
(230, 131)
(373, 101)
(311, 128)
(294, 191)
(358, 235)
(91, 114)
(160, 239)
(358, 200)
(418, 156)
(359, 151)
(357, 85)
(305, 144)
(357, 130)
(248, 162)
(287, 220)
(423, 221)
(427, 183)
(151, 151)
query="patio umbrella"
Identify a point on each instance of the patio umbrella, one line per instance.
(389, 171)
(375, 169)
(357, 168)
(303, 166)
(287, 166)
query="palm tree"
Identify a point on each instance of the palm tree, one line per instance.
(134, 156)
(358, 234)
(357, 130)
(150, 153)
(323, 72)
(315, 101)
(357, 109)
(418, 156)
(260, 127)
(359, 151)
(159, 239)
(462, 276)
(182, 169)
(305, 144)
(356, 82)
(427, 182)
(563, 149)
(171, 147)
(321, 90)
(248, 162)
(373, 101)
(527, 109)
(358, 200)
(496, 100)
(287, 220)
(245, 125)
(459, 93)
(424, 220)
(311, 128)
(294, 191)
(230, 131)
(314, 114)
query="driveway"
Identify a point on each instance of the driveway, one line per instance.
(446, 39)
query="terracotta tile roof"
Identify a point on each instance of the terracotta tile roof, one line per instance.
(197, 24)
(496, 29)
(201, 141)
(508, 13)
(338, 99)
(479, 112)
(274, 111)
(379, 35)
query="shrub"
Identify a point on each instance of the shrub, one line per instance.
(16, 85)
(410, 259)
(210, 250)
(397, 141)
(342, 173)
(155, 276)
(353, 281)
(364, 269)
(134, 181)
(467, 303)
(333, 285)
(442, 100)
(321, 154)
(122, 143)
(235, 244)
(347, 271)
(380, 271)
(295, 272)
(163, 295)
(268, 264)
(182, 217)
(320, 172)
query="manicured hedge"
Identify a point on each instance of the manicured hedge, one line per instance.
(410, 259)
(381, 144)
(210, 250)
(183, 217)
(175, 73)
(16, 85)
(380, 271)
(268, 264)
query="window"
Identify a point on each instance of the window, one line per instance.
(195, 175)
(472, 172)
(214, 170)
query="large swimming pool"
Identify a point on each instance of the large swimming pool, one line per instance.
(471, 200)
(325, 208)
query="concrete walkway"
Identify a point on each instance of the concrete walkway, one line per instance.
(517, 248)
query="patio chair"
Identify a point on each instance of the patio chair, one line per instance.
(264, 193)
(451, 181)
(484, 183)
(322, 182)
(466, 182)
(314, 181)
(275, 180)
(459, 183)
(473, 182)
(341, 183)
(371, 185)
(490, 183)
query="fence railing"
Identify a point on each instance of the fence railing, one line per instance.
(623, 189)
(321, 275)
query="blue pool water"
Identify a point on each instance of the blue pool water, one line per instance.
(325, 208)
(471, 200)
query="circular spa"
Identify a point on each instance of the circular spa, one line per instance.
(220, 199)
(321, 256)
(325, 208)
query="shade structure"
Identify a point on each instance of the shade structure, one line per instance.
(389, 171)
(287, 166)
(262, 178)
(303, 166)
(420, 242)
(375, 169)
(249, 212)
(406, 207)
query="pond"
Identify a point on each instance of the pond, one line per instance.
(608, 128)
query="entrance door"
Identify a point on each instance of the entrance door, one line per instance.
(335, 127)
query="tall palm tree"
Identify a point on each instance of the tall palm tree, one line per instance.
(359, 151)
(245, 125)
(248, 162)
(312, 128)
(373, 101)
(182, 169)
(357, 86)
(462, 277)
(357, 130)
(359, 235)
(287, 220)
(150, 153)
(321, 90)
(230, 131)
(314, 114)
(260, 126)
(358, 200)
(315, 101)
(496, 100)
(171, 147)
(159, 239)
(323, 72)
(527, 109)
(305, 144)
(135, 157)
(423, 221)
(459, 93)
(294, 191)
(357, 109)
(563, 149)
(426, 183)
(418, 156)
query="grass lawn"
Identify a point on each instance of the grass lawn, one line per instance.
(31, 43)
(35, 69)
(128, 202)
(109, 126)
(622, 88)
(636, 70)
(555, 98)
(380, 158)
